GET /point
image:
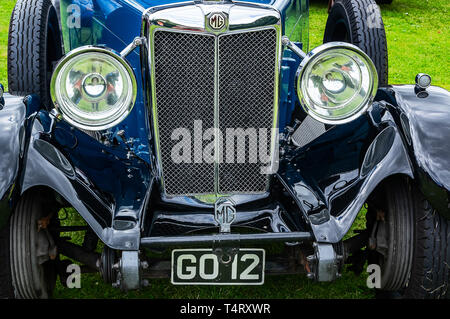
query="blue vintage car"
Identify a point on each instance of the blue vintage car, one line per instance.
(206, 133)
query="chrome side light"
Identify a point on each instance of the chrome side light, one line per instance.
(423, 81)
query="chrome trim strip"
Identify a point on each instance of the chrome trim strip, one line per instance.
(217, 154)
(207, 201)
(206, 240)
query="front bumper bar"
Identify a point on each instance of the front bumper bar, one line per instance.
(225, 239)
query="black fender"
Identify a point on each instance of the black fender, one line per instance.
(12, 129)
(332, 177)
(424, 119)
(12, 118)
(107, 185)
(404, 133)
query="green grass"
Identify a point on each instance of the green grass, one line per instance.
(6, 7)
(418, 41)
(277, 287)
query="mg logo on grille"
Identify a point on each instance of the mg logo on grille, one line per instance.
(217, 21)
(224, 213)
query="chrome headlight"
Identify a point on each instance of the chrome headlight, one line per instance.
(336, 83)
(93, 88)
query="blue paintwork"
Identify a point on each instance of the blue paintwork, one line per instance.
(288, 95)
(114, 24)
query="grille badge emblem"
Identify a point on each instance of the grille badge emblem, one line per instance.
(217, 21)
(224, 213)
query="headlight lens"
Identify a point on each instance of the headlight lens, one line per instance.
(336, 83)
(93, 88)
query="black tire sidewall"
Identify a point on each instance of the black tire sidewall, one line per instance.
(354, 16)
(30, 55)
(430, 273)
(6, 287)
(419, 244)
(398, 221)
(30, 280)
(337, 16)
(384, 1)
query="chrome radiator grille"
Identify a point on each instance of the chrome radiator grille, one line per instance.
(225, 81)
(184, 78)
(246, 100)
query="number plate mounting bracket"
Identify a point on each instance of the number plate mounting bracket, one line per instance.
(226, 252)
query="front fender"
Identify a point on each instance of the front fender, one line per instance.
(403, 134)
(424, 119)
(331, 178)
(12, 119)
(108, 185)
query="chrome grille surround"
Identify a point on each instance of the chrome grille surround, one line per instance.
(190, 21)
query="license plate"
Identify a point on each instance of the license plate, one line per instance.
(203, 267)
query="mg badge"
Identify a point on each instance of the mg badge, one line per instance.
(217, 21)
(224, 213)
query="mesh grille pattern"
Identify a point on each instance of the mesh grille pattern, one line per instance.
(246, 99)
(184, 74)
(185, 91)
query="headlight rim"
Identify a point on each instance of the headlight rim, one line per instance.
(126, 110)
(316, 53)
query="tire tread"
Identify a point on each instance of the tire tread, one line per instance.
(431, 267)
(27, 49)
(370, 40)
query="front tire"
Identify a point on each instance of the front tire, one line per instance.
(28, 270)
(34, 44)
(431, 264)
(412, 243)
(359, 22)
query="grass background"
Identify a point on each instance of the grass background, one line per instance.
(418, 37)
